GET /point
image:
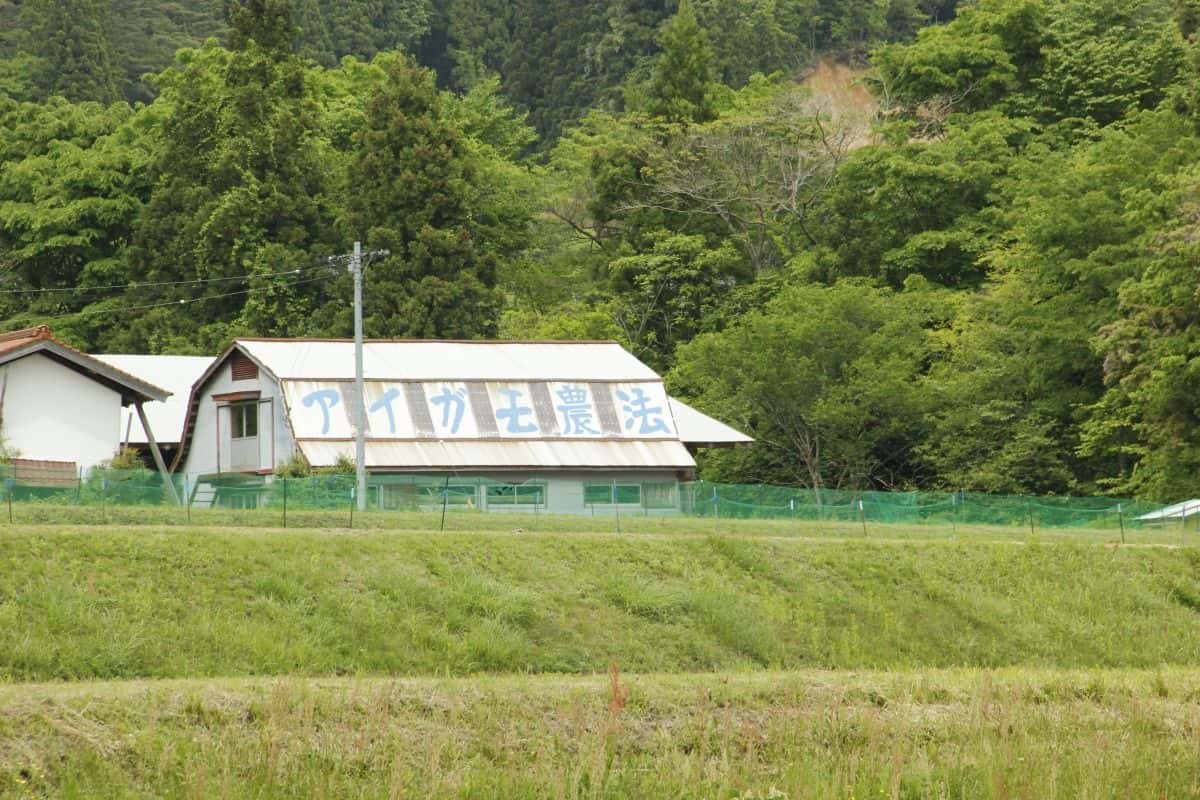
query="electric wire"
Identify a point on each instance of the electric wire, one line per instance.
(151, 284)
(87, 312)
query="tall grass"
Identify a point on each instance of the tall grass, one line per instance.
(923, 734)
(112, 603)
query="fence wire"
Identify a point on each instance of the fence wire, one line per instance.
(104, 488)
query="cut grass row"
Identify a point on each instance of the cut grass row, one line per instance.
(924, 734)
(177, 603)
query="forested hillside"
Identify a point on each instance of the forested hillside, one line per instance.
(901, 243)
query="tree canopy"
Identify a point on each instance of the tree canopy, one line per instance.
(902, 244)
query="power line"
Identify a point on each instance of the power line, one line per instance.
(185, 301)
(149, 284)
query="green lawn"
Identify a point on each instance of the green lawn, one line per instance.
(964, 734)
(85, 603)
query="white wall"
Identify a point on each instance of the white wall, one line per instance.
(53, 413)
(274, 436)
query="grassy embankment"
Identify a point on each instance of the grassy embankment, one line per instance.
(329, 612)
(107, 603)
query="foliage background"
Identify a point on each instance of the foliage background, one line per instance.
(904, 243)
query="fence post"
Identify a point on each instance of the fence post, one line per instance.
(187, 499)
(285, 483)
(716, 510)
(1121, 520)
(616, 506)
(103, 509)
(1029, 509)
(9, 483)
(446, 499)
(954, 516)
(352, 504)
(862, 513)
(537, 500)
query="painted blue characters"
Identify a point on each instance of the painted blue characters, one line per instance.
(453, 404)
(325, 399)
(568, 409)
(515, 412)
(638, 411)
(384, 403)
(576, 410)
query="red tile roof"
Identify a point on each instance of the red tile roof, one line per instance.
(15, 339)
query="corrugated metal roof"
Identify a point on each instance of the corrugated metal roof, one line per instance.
(423, 360)
(508, 455)
(1184, 510)
(175, 374)
(698, 428)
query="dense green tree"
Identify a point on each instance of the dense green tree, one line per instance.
(682, 84)
(240, 188)
(1148, 419)
(69, 39)
(672, 292)
(146, 33)
(920, 207)
(827, 379)
(72, 183)
(365, 27)
(1022, 371)
(411, 178)
(1096, 60)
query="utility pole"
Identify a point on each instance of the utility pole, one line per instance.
(360, 405)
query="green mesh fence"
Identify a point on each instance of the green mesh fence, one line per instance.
(47, 485)
(748, 501)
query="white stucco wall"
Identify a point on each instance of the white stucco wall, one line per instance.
(53, 413)
(274, 436)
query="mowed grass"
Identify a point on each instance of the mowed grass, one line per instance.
(922, 734)
(148, 602)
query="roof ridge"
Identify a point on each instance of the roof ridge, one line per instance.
(336, 340)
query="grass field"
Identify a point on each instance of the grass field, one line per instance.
(923, 734)
(756, 661)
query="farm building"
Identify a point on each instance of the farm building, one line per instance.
(560, 426)
(60, 409)
(176, 374)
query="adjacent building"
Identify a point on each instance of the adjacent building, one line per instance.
(61, 409)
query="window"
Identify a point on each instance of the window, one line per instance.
(244, 420)
(604, 493)
(659, 495)
(516, 494)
